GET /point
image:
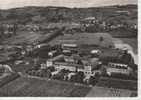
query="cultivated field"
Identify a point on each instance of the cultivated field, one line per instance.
(85, 39)
(23, 37)
(35, 87)
(117, 83)
(108, 92)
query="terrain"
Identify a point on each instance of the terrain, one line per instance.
(55, 25)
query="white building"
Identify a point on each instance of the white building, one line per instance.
(118, 68)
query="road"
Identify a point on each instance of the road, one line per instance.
(120, 44)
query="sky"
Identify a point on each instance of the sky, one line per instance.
(6, 4)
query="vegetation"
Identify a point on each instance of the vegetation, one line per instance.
(43, 88)
(117, 83)
(8, 79)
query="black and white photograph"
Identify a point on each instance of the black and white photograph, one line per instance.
(69, 48)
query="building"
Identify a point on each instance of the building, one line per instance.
(72, 63)
(117, 68)
(68, 66)
(69, 46)
(5, 69)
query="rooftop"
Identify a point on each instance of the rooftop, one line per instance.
(70, 64)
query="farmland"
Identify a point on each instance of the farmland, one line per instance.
(84, 38)
(108, 92)
(23, 37)
(110, 28)
(34, 87)
(117, 83)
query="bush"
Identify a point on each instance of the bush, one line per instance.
(52, 69)
(78, 77)
(64, 71)
(92, 80)
(58, 77)
(73, 78)
(46, 73)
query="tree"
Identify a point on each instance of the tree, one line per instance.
(73, 78)
(79, 77)
(103, 70)
(92, 80)
(101, 39)
(52, 69)
(15, 27)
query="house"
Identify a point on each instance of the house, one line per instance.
(118, 68)
(68, 66)
(69, 45)
(41, 45)
(49, 63)
(52, 53)
(75, 63)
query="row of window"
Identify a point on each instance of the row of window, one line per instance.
(118, 66)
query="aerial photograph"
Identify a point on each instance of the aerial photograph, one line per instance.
(69, 48)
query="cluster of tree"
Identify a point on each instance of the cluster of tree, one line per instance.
(62, 75)
(43, 51)
(78, 77)
(11, 31)
(36, 71)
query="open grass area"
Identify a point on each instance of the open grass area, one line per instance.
(117, 83)
(85, 39)
(44, 88)
(8, 78)
(108, 92)
(23, 37)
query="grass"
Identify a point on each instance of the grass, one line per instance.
(117, 83)
(108, 92)
(8, 78)
(23, 37)
(85, 38)
(42, 88)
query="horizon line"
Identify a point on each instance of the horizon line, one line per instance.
(68, 7)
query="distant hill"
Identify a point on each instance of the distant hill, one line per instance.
(55, 14)
(62, 16)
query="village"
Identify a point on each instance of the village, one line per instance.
(68, 61)
(80, 53)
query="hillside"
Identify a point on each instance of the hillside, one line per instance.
(75, 20)
(55, 14)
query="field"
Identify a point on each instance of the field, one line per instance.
(20, 68)
(117, 83)
(23, 37)
(85, 39)
(109, 92)
(6, 79)
(35, 87)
